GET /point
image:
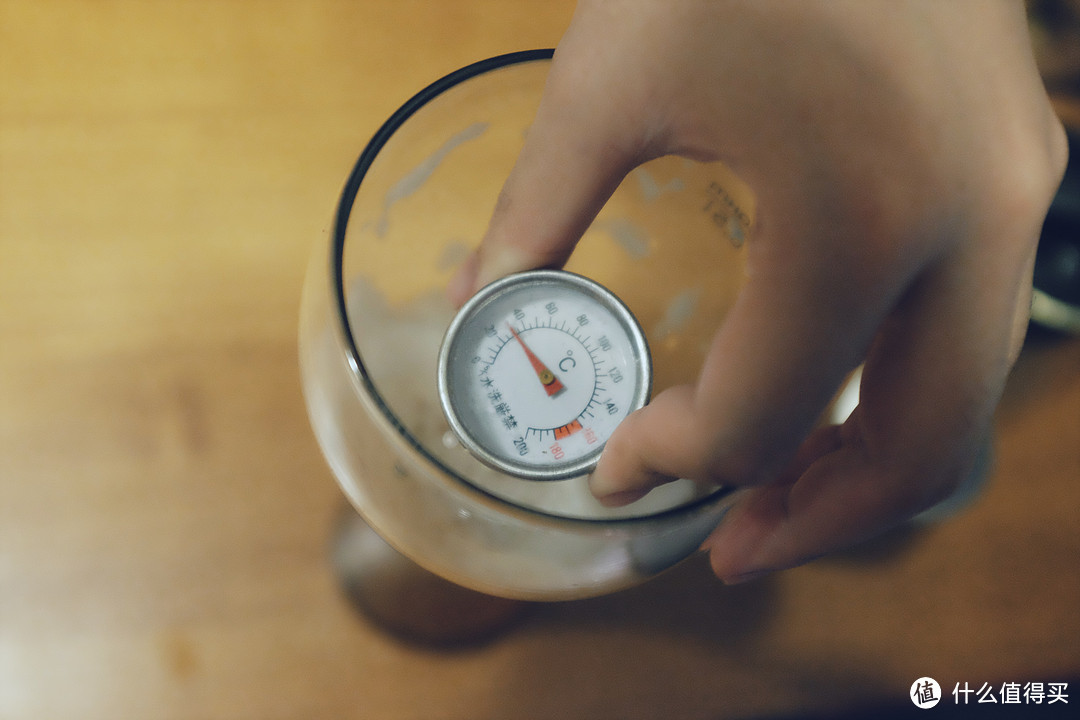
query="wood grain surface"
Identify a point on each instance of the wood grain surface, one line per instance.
(165, 513)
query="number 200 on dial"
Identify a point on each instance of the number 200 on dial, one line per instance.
(538, 369)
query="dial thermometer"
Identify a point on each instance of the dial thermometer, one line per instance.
(536, 371)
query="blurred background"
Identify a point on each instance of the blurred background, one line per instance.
(1055, 35)
(165, 514)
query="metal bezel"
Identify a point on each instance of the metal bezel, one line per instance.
(579, 283)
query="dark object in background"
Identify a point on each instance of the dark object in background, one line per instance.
(1056, 301)
(1055, 33)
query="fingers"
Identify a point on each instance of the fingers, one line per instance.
(929, 387)
(939, 325)
(795, 331)
(930, 384)
(938, 348)
(578, 149)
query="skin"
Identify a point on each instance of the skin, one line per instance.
(903, 155)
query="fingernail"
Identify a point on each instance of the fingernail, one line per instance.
(625, 497)
(601, 486)
(611, 494)
(746, 577)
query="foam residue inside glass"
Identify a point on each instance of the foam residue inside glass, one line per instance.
(399, 345)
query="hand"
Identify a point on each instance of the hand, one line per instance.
(903, 156)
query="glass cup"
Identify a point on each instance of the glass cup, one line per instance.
(668, 243)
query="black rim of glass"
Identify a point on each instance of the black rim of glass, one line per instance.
(337, 279)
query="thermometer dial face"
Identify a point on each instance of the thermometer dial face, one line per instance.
(537, 370)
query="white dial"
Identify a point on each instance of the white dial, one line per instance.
(538, 369)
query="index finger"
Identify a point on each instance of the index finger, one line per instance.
(574, 157)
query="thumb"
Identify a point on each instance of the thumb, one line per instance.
(576, 153)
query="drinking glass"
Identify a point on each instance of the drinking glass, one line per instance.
(669, 243)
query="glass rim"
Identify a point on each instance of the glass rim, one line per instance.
(340, 306)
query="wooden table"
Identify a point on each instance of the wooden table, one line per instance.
(165, 513)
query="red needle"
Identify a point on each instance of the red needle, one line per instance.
(547, 378)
